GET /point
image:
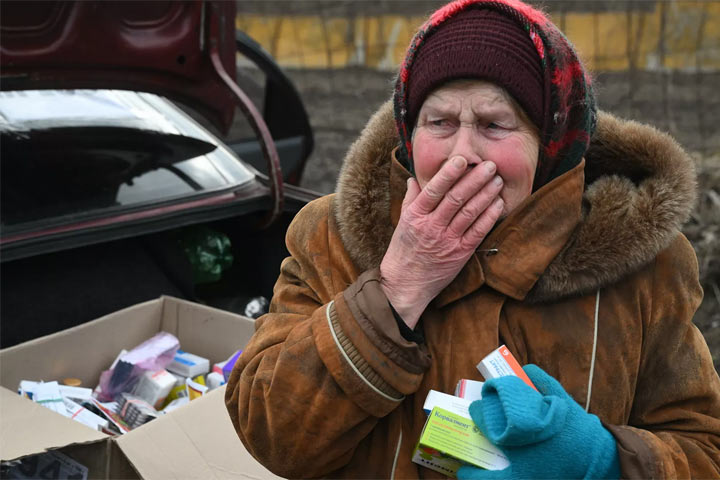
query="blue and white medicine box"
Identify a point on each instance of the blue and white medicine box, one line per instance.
(188, 365)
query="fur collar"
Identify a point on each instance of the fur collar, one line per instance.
(640, 188)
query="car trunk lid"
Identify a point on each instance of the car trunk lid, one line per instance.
(160, 47)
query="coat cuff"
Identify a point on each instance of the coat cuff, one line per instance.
(637, 459)
(371, 309)
(368, 364)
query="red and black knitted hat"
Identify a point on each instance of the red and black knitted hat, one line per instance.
(515, 46)
(479, 43)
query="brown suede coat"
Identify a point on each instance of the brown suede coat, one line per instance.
(328, 387)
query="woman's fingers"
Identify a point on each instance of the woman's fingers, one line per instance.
(484, 223)
(475, 206)
(458, 199)
(439, 185)
(413, 189)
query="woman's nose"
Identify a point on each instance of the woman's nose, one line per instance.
(466, 144)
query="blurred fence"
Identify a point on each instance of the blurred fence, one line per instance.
(657, 61)
(643, 35)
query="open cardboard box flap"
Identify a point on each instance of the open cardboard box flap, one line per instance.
(21, 420)
(194, 441)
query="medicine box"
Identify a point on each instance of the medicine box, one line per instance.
(153, 387)
(469, 389)
(500, 363)
(230, 364)
(449, 441)
(452, 403)
(189, 365)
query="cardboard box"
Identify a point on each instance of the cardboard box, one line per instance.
(194, 441)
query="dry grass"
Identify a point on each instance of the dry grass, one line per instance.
(703, 230)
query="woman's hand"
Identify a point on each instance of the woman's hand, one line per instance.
(544, 433)
(440, 227)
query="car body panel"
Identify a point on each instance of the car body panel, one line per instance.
(160, 47)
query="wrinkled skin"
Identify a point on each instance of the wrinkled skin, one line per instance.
(475, 156)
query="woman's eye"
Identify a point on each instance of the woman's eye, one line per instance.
(496, 130)
(440, 126)
(496, 126)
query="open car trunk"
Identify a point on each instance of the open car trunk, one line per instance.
(103, 176)
(47, 293)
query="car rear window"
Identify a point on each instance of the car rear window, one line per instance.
(65, 155)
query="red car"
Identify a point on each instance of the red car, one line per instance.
(111, 190)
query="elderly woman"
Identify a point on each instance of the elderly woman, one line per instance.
(489, 204)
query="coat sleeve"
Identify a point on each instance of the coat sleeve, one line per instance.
(674, 427)
(326, 363)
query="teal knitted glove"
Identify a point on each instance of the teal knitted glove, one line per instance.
(544, 435)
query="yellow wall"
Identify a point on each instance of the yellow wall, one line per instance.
(606, 41)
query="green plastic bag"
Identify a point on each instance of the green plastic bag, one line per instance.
(208, 251)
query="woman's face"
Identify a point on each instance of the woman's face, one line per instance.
(479, 121)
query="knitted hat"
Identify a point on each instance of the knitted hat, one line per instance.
(479, 43)
(568, 115)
